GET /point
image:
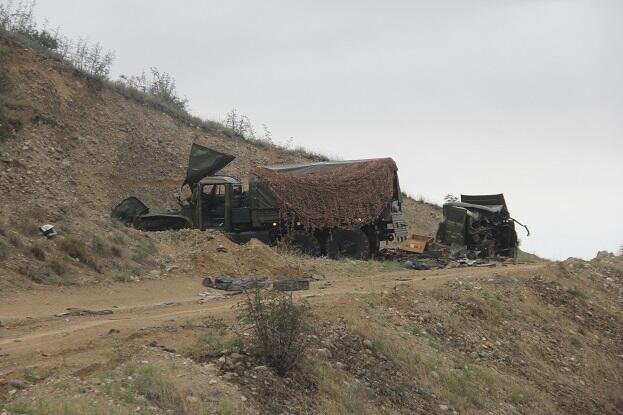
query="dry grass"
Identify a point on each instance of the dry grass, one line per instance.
(340, 394)
(168, 386)
(461, 382)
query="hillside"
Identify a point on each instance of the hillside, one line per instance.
(104, 319)
(82, 146)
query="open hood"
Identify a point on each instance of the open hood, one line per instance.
(204, 162)
(486, 200)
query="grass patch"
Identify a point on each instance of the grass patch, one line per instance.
(338, 395)
(77, 249)
(58, 266)
(165, 387)
(37, 252)
(214, 340)
(4, 250)
(120, 276)
(75, 407)
(577, 292)
(103, 249)
(43, 275)
(467, 385)
(15, 240)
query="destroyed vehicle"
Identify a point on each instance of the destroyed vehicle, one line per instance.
(335, 208)
(481, 224)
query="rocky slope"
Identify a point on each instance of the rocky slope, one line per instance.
(79, 148)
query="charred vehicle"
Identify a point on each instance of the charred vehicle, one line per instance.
(482, 224)
(334, 208)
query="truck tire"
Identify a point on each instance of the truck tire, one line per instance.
(303, 242)
(344, 243)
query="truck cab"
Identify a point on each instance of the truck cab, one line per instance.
(219, 202)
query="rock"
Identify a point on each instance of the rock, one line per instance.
(18, 383)
(443, 407)
(236, 357)
(229, 376)
(170, 268)
(261, 367)
(368, 344)
(155, 274)
(152, 343)
(324, 353)
(427, 317)
(192, 399)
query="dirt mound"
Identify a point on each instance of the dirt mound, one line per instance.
(210, 253)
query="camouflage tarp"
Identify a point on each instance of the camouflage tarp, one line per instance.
(332, 194)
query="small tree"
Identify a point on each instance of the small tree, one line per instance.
(239, 124)
(279, 328)
(162, 85)
(158, 84)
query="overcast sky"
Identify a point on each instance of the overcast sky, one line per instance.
(523, 97)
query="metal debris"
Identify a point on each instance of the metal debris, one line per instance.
(234, 284)
(83, 312)
(48, 230)
(291, 285)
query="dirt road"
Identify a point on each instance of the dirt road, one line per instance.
(33, 336)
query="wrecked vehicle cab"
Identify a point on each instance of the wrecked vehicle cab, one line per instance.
(482, 224)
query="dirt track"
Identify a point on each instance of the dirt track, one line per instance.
(33, 336)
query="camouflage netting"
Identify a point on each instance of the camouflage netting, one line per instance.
(345, 196)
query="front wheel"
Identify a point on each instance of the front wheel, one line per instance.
(347, 243)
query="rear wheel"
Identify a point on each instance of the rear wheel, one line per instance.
(303, 242)
(350, 244)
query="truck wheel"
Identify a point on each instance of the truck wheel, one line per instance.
(347, 243)
(303, 242)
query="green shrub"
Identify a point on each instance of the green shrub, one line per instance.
(279, 327)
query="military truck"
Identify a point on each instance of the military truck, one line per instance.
(334, 208)
(482, 224)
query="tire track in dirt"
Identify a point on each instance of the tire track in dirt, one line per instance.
(37, 341)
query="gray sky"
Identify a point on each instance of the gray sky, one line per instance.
(523, 97)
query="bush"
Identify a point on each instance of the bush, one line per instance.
(158, 85)
(279, 327)
(17, 20)
(77, 249)
(37, 252)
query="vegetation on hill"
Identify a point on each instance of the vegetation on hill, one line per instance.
(156, 88)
